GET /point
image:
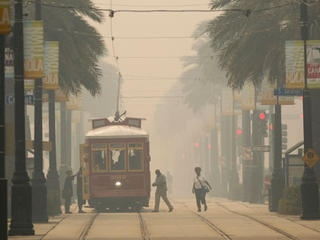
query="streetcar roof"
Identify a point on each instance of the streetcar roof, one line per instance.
(117, 131)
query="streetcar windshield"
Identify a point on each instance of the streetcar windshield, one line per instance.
(117, 157)
(135, 155)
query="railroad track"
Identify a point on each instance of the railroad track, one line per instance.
(287, 235)
(145, 234)
(85, 231)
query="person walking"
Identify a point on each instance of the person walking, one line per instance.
(79, 191)
(200, 188)
(67, 191)
(161, 191)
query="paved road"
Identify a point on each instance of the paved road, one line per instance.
(223, 220)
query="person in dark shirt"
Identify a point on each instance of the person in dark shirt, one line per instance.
(79, 190)
(67, 192)
(161, 191)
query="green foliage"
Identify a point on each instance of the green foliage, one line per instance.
(80, 43)
(290, 203)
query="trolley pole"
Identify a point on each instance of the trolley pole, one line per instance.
(3, 180)
(309, 186)
(53, 183)
(39, 188)
(21, 221)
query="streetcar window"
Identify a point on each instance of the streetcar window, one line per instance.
(135, 159)
(117, 157)
(99, 161)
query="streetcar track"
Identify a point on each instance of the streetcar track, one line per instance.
(289, 236)
(55, 225)
(145, 234)
(211, 225)
(87, 228)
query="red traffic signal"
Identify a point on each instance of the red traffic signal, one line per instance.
(209, 146)
(262, 116)
(239, 131)
(196, 144)
(271, 127)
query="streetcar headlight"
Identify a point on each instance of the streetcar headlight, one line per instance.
(118, 184)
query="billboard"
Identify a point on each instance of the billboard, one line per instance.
(313, 63)
(33, 49)
(5, 25)
(51, 65)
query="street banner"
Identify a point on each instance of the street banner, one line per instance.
(227, 101)
(33, 49)
(84, 161)
(5, 25)
(313, 63)
(267, 93)
(248, 97)
(51, 65)
(74, 102)
(294, 61)
(28, 84)
(9, 63)
(287, 92)
(59, 96)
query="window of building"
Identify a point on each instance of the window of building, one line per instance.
(135, 156)
(99, 158)
(117, 157)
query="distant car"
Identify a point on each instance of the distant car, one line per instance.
(115, 162)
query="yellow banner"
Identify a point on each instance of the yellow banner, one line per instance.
(74, 102)
(51, 65)
(267, 93)
(294, 64)
(84, 161)
(59, 96)
(248, 97)
(33, 49)
(5, 25)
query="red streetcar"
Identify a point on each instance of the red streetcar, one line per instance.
(115, 162)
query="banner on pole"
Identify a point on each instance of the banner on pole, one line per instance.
(33, 49)
(248, 97)
(59, 96)
(294, 64)
(313, 63)
(74, 103)
(9, 63)
(227, 101)
(5, 25)
(51, 65)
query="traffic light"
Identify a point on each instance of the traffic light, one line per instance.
(262, 124)
(284, 133)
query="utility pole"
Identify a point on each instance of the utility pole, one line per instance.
(63, 141)
(215, 154)
(39, 188)
(234, 178)
(309, 186)
(246, 143)
(21, 221)
(3, 180)
(53, 183)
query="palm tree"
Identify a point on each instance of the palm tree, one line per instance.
(80, 43)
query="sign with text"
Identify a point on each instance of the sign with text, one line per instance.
(9, 63)
(313, 63)
(28, 99)
(287, 92)
(248, 97)
(294, 64)
(5, 25)
(33, 49)
(51, 65)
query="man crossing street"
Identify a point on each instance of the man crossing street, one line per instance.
(161, 191)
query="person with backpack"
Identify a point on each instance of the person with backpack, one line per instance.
(200, 188)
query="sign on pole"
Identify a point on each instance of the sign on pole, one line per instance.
(263, 148)
(74, 102)
(313, 63)
(287, 92)
(5, 25)
(248, 97)
(310, 158)
(294, 64)
(51, 65)
(33, 49)
(227, 101)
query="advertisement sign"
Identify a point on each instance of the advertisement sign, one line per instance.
(51, 65)
(248, 97)
(5, 26)
(59, 96)
(227, 101)
(9, 63)
(74, 102)
(294, 64)
(33, 49)
(313, 63)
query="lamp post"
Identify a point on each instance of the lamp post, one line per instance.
(39, 188)
(21, 221)
(53, 183)
(309, 186)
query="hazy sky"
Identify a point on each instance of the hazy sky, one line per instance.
(142, 75)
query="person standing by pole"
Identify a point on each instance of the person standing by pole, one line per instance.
(161, 191)
(67, 192)
(79, 190)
